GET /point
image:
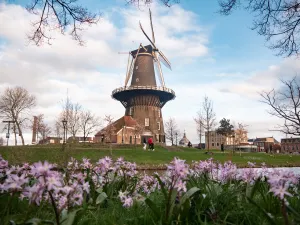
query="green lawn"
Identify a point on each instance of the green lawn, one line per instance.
(144, 159)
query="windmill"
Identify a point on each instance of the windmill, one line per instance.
(143, 99)
(152, 49)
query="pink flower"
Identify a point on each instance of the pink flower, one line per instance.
(180, 186)
(53, 182)
(86, 187)
(280, 191)
(41, 169)
(128, 202)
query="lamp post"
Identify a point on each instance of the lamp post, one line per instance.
(176, 137)
(65, 130)
(8, 128)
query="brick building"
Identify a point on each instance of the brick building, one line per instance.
(127, 131)
(290, 145)
(215, 140)
(265, 144)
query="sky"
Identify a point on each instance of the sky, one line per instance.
(213, 55)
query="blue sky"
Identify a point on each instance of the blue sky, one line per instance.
(214, 55)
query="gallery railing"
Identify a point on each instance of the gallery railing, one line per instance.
(143, 88)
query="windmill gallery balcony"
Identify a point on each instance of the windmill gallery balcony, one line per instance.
(124, 93)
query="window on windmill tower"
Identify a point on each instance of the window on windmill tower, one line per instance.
(158, 112)
(146, 122)
(130, 111)
(157, 137)
(158, 125)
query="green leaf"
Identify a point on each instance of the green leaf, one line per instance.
(70, 217)
(153, 207)
(270, 219)
(33, 221)
(101, 197)
(188, 195)
(162, 186)
(99, 190)
(293, 211)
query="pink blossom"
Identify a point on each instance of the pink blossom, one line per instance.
(128, 202)
(40, 169)
(53, 182)
(280, 191)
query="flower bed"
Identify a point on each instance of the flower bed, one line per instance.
(114, 192)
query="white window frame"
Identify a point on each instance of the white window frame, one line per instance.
(158, 113)
(147, 122)
(158, 125)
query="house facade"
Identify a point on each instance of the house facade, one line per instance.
(290, 145)
(214, 139)
(265, 144)
(127, 130)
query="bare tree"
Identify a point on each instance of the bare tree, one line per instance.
(88, 123)
(138, 129)
(240, 135)
(278, 21)
(109, 130)
(58, 128)
(200, 128)
(71, 112)
(208, 117)
(73, 118)
(171, 130)
(59, 14)
(43, 129)
(285, 104)
(1, 141)
(15, 103)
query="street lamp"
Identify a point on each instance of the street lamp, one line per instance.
(8, 128)
(65, 130)
(176, 137)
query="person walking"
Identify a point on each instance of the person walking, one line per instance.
(145, 144)
(151, 144)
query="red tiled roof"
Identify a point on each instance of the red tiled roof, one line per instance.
(127, 121)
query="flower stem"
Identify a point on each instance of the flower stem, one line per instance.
(284, 213)
(55, 209)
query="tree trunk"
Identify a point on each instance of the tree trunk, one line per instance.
(20, 132)
(208, 140)
(15, 134)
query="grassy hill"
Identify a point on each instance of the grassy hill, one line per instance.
(144, 159)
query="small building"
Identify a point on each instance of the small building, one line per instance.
(184, 141)
(290, 145)
(81, 139)
(51, 140)
(265, 144)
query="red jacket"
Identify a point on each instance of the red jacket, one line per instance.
(150, 141)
